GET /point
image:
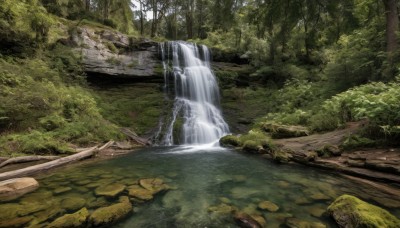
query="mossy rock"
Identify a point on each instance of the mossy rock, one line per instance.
(349, 211)
(283, 131)
(77, 219)
(140, 193)
(298, 223)
(111, 214)
(268, 206)
(222, 208)
(110, 190)
(230, 141)
(329, 151)
(281, 155)
(16, 222)
(73, 203)
(154, 185)
(251, 146)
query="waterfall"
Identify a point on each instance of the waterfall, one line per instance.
(190, 81)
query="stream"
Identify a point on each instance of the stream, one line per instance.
(200, 177)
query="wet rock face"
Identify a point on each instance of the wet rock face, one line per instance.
(15, 188)
(115, 55)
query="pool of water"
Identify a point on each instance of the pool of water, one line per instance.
(201, 178)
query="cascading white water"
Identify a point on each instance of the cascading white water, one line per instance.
(196, 94)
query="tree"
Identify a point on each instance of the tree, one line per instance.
(392, 25)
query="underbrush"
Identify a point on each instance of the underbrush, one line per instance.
(44, 106)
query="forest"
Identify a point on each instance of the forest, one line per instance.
(318, 63)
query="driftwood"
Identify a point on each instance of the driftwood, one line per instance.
(27, 159)
(134, 136)
(52, 164)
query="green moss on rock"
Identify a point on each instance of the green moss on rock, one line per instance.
(251, 146)
(77, 219)
(230, 140)
(349, 211)
(111, 190)
(283, 131)
(111, 214)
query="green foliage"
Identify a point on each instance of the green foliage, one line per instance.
(111, 47)
(41, 114)
(356, 141)
(230, 140)
(226, 79)
(138, 106)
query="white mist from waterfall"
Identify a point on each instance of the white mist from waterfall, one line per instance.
(196, 94)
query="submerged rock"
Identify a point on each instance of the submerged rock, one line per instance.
(73, 203)
(298, 223)
(349, 211)
(268, 206)
(62, 190)
(140, 193)
(246, 221)
(77, 219)
(108, 215)
(15, 188)
(155, 185)
(230, 141)
(222, 209)
(15, 222)
(111, 190)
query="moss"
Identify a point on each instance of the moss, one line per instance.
(111, 190)
(113, 61)
(251, 146)
(111, 47)
(77, 219)
(281, 156)
(111, 214)
(230, 140)
(349, 211)
(278, 131)
(356, 141)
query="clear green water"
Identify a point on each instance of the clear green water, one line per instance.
(204, 178)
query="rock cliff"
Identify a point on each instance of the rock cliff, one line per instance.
(116, 55)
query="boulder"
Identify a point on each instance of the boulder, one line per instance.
(230, 141)
(268, 206)
(349, 211)
(111, 214)
(77, 219)
(283, 131)
(110, 190)
(15, 188)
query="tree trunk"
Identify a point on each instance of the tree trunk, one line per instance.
(27, 159)
(392, 25)
(87, 5)
(141, 18)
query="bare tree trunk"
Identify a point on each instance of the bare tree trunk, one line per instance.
(392, 25)
(141, 18)
(87, 5)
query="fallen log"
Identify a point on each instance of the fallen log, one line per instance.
(132, 135)
(27, 159)
(52, 164)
